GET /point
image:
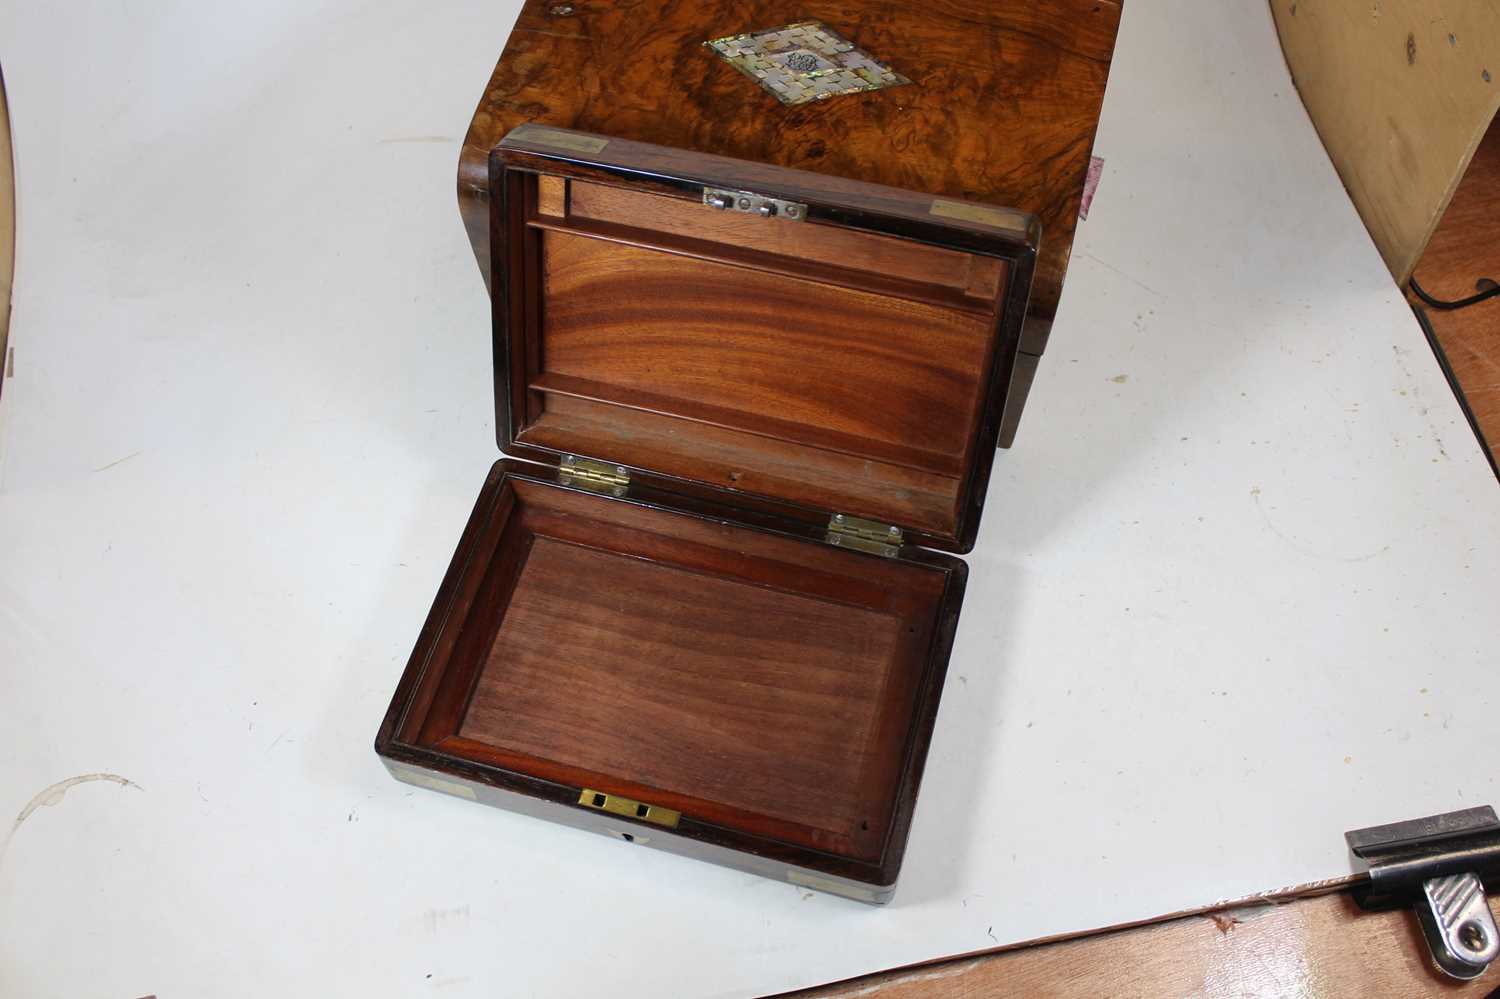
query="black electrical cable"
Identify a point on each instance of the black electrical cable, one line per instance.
(1458, 391)
(1461, 303)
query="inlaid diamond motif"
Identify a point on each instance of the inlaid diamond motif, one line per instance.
(806, 61)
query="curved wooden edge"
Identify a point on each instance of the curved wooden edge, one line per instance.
(473, 191)
(7, 234)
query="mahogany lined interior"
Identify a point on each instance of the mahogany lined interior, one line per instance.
(745, 679)
(807, 362)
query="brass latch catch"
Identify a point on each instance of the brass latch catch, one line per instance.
(614, 804)
(599, 476)
(863, 535)
(754, 204)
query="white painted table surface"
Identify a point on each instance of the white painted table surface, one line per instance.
(1235, 592)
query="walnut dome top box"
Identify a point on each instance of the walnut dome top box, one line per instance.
(760, 279)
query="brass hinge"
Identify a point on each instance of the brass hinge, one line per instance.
(600, 476)
(754, 204)
(630, 808)
(863, 535)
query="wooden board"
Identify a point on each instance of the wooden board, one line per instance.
(1002, 108)
(1303, 949)
(1465, 248)
(1400, 91)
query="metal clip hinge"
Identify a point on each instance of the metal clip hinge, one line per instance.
(863, 535)
(600, 476)
(755, 204)
(1438, 865)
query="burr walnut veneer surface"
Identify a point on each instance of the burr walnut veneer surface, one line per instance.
(1002, 106)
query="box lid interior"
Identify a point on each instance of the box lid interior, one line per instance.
(837, 348)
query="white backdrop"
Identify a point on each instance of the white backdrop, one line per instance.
(1235, 590)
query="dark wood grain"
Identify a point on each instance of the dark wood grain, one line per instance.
(1002, 109)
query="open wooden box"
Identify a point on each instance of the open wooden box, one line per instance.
(700, 607)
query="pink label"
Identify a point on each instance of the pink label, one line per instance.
(1090, 185)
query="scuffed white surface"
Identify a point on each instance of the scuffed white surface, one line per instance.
(1234, 593)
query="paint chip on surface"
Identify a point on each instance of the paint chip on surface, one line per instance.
(1224, 921)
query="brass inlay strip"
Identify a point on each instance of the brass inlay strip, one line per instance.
(1000, 218)
(433, 783)
(540, 135)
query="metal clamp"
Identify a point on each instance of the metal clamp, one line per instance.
(1437, 865)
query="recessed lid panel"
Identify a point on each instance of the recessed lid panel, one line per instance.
(794, 339)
